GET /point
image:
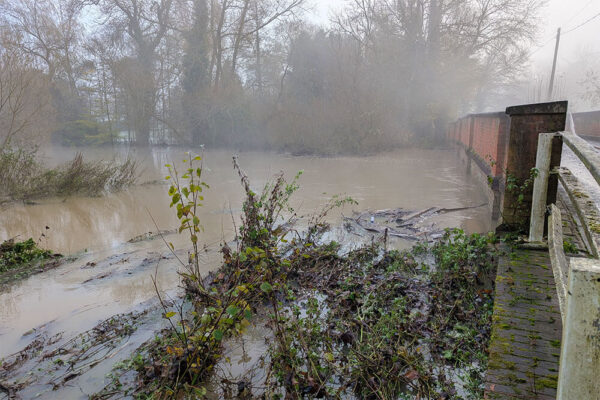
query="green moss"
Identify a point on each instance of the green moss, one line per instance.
(580, 195)
(547, 382)
(555, 343)
(569, 246)
(594, 227)
(513, 378)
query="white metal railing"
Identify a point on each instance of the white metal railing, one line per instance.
(577, 279)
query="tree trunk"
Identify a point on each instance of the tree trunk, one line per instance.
(219, 45)
(239, 36)
(259, 79)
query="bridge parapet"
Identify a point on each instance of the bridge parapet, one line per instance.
(587, 124)
(518, 148)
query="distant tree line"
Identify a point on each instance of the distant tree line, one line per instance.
(253, 73)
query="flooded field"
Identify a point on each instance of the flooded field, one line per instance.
(111, 275)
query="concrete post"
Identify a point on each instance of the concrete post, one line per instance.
(580, 348)
(527, 122)
(540, 187)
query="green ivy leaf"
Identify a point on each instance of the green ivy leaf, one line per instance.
(232, 310)
(266, 287)
(218, 334)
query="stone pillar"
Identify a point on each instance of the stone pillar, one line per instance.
(526, 123)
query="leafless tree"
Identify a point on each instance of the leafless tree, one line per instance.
(25, 112)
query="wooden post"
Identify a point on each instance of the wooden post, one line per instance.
(560, 265)
(580, 347)
(540, 187)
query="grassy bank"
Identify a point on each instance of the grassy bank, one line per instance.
(23, 177)
(369, 324)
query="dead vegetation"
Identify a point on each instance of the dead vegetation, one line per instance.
(22, 177)
(369, 324)
(400, 223)
(51, 362)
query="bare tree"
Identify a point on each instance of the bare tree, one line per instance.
(50, 32)
(146, 24)
(25, 112)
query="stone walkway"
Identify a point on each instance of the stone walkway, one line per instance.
(526, 333)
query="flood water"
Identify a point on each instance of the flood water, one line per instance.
(110, 275)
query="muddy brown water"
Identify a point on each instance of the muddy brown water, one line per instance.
(111, 276)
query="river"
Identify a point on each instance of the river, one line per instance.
(110, 275)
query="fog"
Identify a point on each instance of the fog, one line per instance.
(579, 51)
(118, 123)
(296, 76)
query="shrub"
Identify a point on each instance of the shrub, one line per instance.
(22, 177)
(83, 132)
(14, 254)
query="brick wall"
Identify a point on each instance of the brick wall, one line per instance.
(587, 123)
(486, 135)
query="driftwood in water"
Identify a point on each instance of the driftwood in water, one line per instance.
(405, 221)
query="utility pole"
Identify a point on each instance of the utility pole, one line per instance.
(551, 85)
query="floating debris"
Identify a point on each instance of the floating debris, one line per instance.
(402, 223)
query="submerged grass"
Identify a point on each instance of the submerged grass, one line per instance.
(21, 259)
(22, 177)
(14, 254)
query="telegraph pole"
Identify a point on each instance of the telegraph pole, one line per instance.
(551, 85)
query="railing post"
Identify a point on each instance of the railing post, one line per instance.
(580, 349)
(540, 187)
(560, 265)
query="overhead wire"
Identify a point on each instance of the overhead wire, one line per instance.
(582, 24)
(569, 30)
(543, 45)
(579, 12)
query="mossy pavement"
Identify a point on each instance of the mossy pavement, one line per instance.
(525, 344)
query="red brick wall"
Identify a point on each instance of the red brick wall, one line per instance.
(587, 123)
(486, 135)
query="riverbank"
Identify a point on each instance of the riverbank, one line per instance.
(117, 279)
(370, 323)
